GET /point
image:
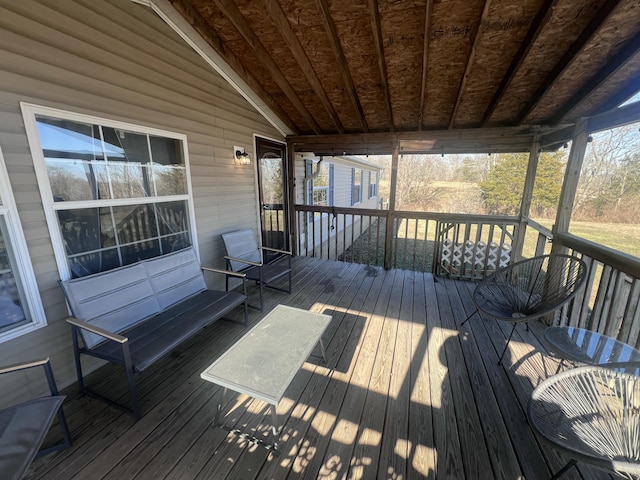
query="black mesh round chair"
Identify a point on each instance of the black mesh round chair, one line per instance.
(529, 289)
(591, 414)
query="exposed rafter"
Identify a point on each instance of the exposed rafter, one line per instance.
(230, 10)
(540, 20)
(280, 19)
(425, 60)
(374, 13)
(617, 61)
(310, 75)
(625, 93)
(470, 61)
(334, 41)
(204, 30)
(576, 47)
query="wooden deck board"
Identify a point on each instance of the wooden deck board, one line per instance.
(406, 393)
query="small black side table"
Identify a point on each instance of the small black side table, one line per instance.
(585, 346)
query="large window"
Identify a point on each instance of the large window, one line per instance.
(356, 186)
(114, 193)
(20, 306)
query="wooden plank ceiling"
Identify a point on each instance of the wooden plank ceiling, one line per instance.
(334, 67)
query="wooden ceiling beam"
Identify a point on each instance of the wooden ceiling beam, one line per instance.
(622, 95)
(569, 55)
(540, 20)
(469, 66)
(428, 9)
(374, 14)
(470, 140)
(280, 19)
(231, 11)
(617, 61)
(334, 41)
(199, 24)
(614, 118)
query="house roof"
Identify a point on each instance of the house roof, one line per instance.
(328, 67)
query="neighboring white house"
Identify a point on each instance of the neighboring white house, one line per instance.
(337, 181)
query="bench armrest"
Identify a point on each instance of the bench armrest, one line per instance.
(22, 366)
(248, 262)
(97, 330)
(225, 272)
(285, 252)
(44, 362)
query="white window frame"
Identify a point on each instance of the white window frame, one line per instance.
(373, 185)
(328, 188)
(356, 201)
(29, 112)
(27, 277)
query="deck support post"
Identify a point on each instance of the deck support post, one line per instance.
(389, 228)
(527, 195)
(570, 183)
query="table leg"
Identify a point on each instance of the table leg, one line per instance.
(222, 393)
(275, 428)
(324, 356)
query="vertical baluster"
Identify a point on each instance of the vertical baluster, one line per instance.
(360, 242)
(336, 224)
(321, 234)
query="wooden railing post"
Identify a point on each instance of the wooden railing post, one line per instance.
(527, 195)
(388, 242)
(570, 184)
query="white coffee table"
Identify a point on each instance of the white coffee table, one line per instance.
(263, 363)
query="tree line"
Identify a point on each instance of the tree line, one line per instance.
(608, 190)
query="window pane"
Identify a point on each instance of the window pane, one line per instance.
(173, 243)
(128, 155)
(166, 151)
(72, 151)
(12, 312)
(172, 217)
(135, 223)
(81, 229)
(170, 180)
(82, 265)
(320, 196)
(140, 251)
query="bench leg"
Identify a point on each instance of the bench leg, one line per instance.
(128, 365)
(76, 357)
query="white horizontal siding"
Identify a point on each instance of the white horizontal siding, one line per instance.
(117, 60)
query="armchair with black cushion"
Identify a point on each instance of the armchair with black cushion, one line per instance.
(24, 427)
(244, 255)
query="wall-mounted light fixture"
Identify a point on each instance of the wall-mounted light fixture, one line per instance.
(240, 157)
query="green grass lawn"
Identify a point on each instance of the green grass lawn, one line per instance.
(624, 237)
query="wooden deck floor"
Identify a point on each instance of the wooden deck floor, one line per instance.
(406, 393)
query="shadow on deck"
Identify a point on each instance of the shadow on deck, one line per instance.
(405, 394)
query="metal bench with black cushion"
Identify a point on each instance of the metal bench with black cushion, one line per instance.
(135, 314)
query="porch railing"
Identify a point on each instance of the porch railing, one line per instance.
(610, 302)
(458, 246)
(470, 247)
